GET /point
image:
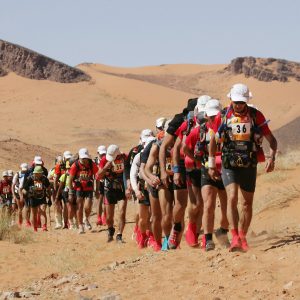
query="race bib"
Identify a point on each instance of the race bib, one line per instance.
(118, 166)
(6, 190)
(169, 165)
(241, 131)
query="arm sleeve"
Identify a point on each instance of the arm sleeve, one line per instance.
(15, 179)
(134, 171)
(127, 165)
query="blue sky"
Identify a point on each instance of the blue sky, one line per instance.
(138, 33)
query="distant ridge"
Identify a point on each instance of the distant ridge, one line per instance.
(30, 64)
(265, 69)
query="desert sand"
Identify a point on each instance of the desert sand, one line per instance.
(46, 118)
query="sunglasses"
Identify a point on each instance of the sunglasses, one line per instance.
(239, 102)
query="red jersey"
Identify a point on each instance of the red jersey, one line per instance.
(117, 168)
(5, 188)
(83, 175)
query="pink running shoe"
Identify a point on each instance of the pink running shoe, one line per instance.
(156, 246)
(99, 221)
(235, 244)
(191, 235)
(44, 227)
(28, 224)
(151, 241)
(244, 244)
(104, 220)
(143, 241)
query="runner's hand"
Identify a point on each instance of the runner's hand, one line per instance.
(139, 195)
(165, 179)
(214, 174)
(178, 179)
(128, 194)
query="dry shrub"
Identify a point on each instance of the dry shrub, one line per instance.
(13, 233)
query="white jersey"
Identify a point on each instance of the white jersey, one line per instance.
(18, 181)
(135, 171)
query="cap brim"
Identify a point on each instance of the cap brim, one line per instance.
(102, 152)
(38, 162)
(84, 156)
(23, 169)
(109, 158)
(212, 112)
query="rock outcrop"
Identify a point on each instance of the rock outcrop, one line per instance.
(265, 69)
(30, 64)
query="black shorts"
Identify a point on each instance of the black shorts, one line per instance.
(101, 187)
(206, 180)
(194, 177)
(146, 201)
(33, 202)
(245, 177)
(84, 194)
(153, 191)
(112, 196)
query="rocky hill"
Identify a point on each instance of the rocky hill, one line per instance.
(265, 69)
(30, 64)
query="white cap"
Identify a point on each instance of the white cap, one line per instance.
(201, 102)
(239, 92)
(101, 149)
(212, 107)
(24, 167)
(145, 134)
(10, 173)
(38, 160)
(160, 122)
(67, 154)
(83, 153)
(112, 152)
(5, 173)
(149, 140)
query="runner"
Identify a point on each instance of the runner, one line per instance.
(101, 213)
(111, 170)
(161, 197)
(63, 189)
(6, 197)
(139, 187)
(81, 183)
(132, 153)
(18, 197)
(240, 129)
(196, 147)
(36, 187)
(178, 168)
(61, 210)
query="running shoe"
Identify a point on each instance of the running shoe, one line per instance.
(81, 229)
(235, 244)
(151, 240)
(156, 246)
(165, 244)
(28, 224)
(173, 239)
(222, 237)
(143, 241)
(191, 235)
(87, 224)
(104, 220)
(209, 245)
(99, 221)
(110, 234)
(44, 227)
(35, 229)
(58, 226)
(119, 238)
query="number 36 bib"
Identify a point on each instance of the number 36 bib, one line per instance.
(241, 128)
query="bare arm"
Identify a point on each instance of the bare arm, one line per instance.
(151, 179)
(273, 148)
(168, 142)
